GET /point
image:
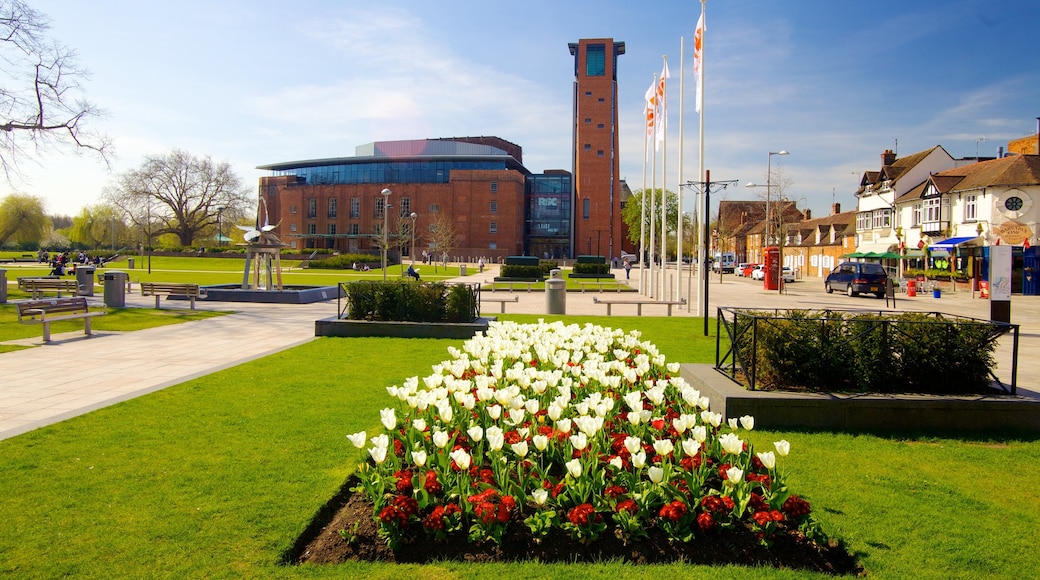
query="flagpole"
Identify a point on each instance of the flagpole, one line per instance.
(702, 206)
(642, 204)
(679, 220)
(651, 289)
(662, 285)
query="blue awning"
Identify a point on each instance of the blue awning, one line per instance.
(950, 243)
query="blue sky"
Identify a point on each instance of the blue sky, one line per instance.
(835, 83)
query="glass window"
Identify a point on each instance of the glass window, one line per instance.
(916, 216)
(333, 203)
(434, 208)
(380, 207)
(494, 207)
(292, 227)
(970, 208)
(406, 206)
(312, 208)
(332, 229)
(595, 60)
(292, 209)
(355, 229)
(355, 207)
(493, 227)
(586, 206)
(494, 187)
(312, 228)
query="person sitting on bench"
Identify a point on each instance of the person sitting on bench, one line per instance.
(411, 272)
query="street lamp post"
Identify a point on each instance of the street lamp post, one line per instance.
(386, 226)
(769, 221)
(412, 250)
(220, 226)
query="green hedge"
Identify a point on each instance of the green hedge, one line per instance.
(854, 352)
(411, 301)
(524, 272)
(587, 268)
(345, 261)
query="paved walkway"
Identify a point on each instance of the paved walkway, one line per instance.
(75, 374)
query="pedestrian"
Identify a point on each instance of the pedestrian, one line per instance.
(480, 264)
(628, 269)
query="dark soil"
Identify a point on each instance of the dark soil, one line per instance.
(323, 543)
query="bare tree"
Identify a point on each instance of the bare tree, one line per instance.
(39, 90)
(442, 237)
(178, 193)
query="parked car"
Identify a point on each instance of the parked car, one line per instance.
(748, 268)
(857, 277)
(788, 274)
(739, 271)
(759, 272)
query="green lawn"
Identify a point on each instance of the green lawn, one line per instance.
(217, 476)
(117, 319)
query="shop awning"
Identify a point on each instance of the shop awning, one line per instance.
(950, 243)
(874, 248)
(914, 253)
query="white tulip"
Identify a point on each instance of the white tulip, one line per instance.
(656, 474)
(616, 462)
(419, 424)
(495, 438)
(734, 475)
(476, 433)
(700, 433)
(564, 425)
(782, 447)
(419, 458)
(389, 418)
(748, 422)
(639, 459)
(540, 442)
(574, 468)
(461, 458)
(691, 447)
(731, 444)
(633, 444)
(358, 439)
(494, 411)
(378, 454)
(663, 446)
(732, 423)
(768, 459)
(440, 439)
(579, 441)
(520, 448)
(539, 496)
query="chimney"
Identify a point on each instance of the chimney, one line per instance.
(835, 209)
(808, 214)
(888, 157)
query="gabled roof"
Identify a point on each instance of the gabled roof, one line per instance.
(897, 168)
(1012, 171)
(915, 192)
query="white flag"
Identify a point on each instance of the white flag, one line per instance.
(698, 61)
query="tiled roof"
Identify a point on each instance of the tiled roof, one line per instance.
(915, 192)
(1011, 171)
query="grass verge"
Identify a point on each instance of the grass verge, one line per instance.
(118, 319)
(217, 476)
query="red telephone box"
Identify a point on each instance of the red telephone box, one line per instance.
(771, 279)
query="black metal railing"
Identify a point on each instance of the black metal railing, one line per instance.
(861, 350)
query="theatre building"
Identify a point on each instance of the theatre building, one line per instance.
(477, 186)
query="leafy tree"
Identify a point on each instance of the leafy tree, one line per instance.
(38, 98)
(633, 210)
(22, 220)
(97, 226)
(442, 237)
(178, 193)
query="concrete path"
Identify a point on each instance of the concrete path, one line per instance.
(74, 374)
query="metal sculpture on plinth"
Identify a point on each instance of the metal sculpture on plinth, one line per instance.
(263, 253)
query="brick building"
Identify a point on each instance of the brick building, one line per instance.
(477, 185)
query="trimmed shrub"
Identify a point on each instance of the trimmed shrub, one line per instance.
(345, 261)
(411, 301)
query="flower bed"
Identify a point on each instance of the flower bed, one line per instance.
(578, 434)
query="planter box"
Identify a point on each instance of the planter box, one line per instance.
(857, 412)
(343, 327)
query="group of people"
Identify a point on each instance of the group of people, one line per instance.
(360, 267)
(60, 262)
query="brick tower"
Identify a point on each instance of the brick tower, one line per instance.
(596, 207)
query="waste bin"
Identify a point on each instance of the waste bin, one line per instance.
(130, 262)
(85, 280)
(556, 293)
(115, 289)
(911, 288)
(3, 286)
(936, 293)
(462, 269)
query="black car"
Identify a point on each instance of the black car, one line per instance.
(857, 277)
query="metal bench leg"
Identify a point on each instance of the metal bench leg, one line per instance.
(86, 326)
(639, 309)
(608, 308)
(157, 307)
(669, 310)
(46, 331)
(192, 299)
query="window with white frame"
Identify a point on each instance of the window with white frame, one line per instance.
(493, 227)
(882, 218)
(931, 209)
(355, 208)
(915, 217)
(863, 221)
(970, 208)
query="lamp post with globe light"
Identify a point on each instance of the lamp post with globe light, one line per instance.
(768, 185)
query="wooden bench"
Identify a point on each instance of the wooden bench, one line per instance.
(47, 311)
(129, 282)
(639, 303)
(614, 283)
(510, 284)
(37, 286)
(501, 301)
(158, 289)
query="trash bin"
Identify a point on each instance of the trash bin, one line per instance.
(130, 263)
(115, 289)
(3, 286)
(85, 280)
(556, 293)
(911, 288)
(936, 293)
(462, 269)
